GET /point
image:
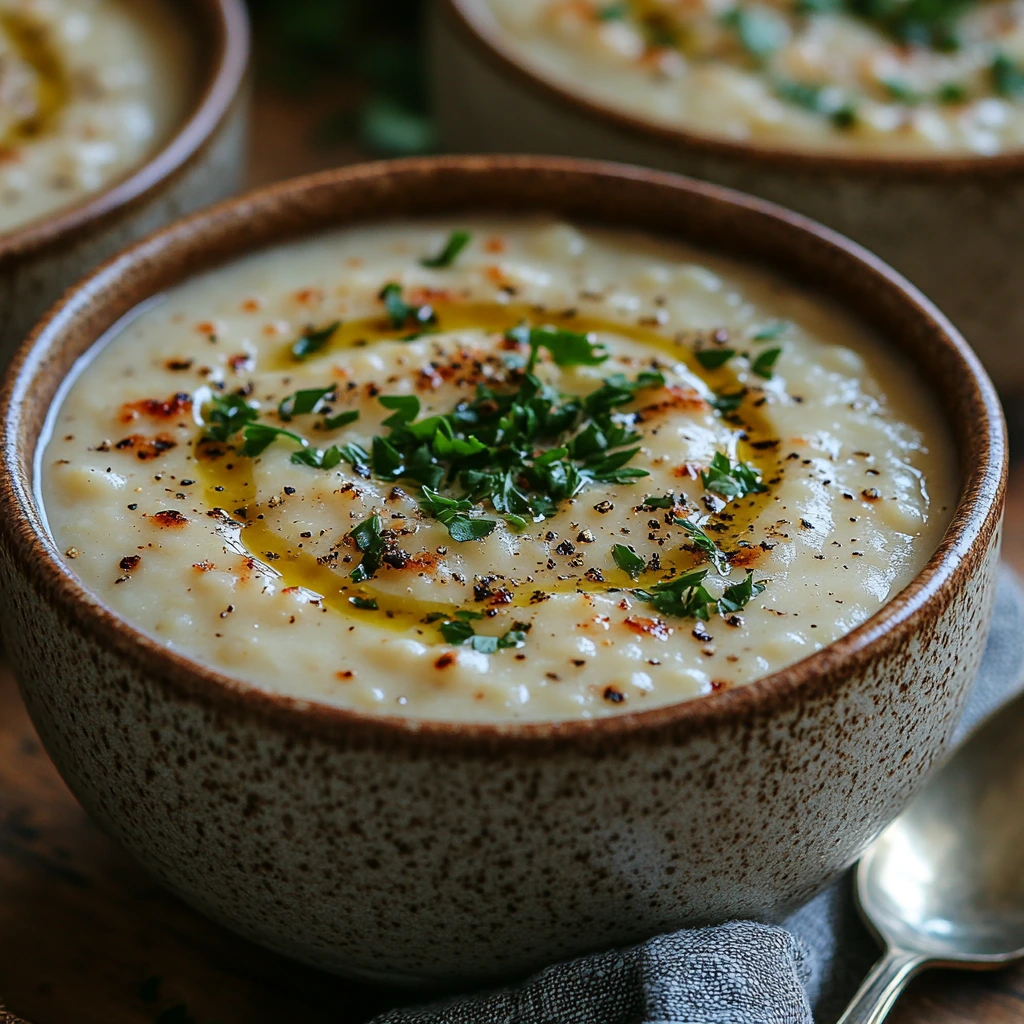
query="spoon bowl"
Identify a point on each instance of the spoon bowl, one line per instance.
(943, 886)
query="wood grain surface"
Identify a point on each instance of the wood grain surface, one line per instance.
(86, 937)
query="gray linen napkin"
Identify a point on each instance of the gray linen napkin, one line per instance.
(737, 973)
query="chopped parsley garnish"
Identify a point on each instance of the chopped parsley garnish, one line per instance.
(899, 90)
(628, 560)
(457, 241)
(367, 537)
(302, 402)
(226, 415)
(524, 451)
(952, 92)
(736, 597)
(731, 481)
(357, 458)
(826, 100)
(727, 403)
(451, 512)
(1007, 77)
(318, 458)
(400, 313)
(817, 6)
(760, 31)
(769, 332)
(685, 596)
(458, 631)
(655, 502)
(713, 358)
(763, 364)
(260, 436)
(311, 341)
(366, 604)
(613, 12)
(343, 419)
(567, 348)
(929, 23)
(705, 545)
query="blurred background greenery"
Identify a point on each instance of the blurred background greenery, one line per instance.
(367, 54)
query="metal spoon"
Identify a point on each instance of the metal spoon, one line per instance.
(944, 885)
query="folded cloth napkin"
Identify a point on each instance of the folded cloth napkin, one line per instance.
(737, 973)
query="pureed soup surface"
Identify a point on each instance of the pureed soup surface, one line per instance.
(88, 90)
(570, 473)
(867, 77)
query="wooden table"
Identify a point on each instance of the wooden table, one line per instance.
(87, 938)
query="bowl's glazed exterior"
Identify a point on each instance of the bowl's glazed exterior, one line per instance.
(412, 851)
(202, 162)
(955, 227)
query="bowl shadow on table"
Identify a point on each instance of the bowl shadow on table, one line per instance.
(87, 936)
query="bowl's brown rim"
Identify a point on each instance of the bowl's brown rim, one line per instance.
(487, 41)
(975, 520)
(222, 80)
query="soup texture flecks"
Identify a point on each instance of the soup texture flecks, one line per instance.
(88, 90)
(890, 78)
(494, 471)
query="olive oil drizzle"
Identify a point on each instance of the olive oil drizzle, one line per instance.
(32, 44)
(230, 488)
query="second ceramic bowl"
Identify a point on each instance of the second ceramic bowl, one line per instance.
(202, 162)
(955, 227)
(430, 851)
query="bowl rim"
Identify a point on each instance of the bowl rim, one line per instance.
(472, 24)
(227, 33)
(975, 519)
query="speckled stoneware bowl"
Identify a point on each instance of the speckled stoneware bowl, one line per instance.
(408, 850)
(202, 162)
(954, 226)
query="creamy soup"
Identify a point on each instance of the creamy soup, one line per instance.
(88, 90)
(558, 473)
(892, 77)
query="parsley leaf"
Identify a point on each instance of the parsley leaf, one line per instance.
(343, 419)
(706, 546)
(367, 537)
(727, 403)
(407, 408)
(226, 415)
(760, 30)
(458, 632)
(685, 596)
(736, 597)
(457, 241)
(769, 332)
(613, 12)
(451, 512)
(1007, 76)
(731, 481)
(567, 348)
(367, 604)
(713, 358)
(313, 341)
(400, 312)
(260, 436)
(302, 402)
(628, 560)
(318, 458)
(826, 100)
(664, 502)
(763, 364)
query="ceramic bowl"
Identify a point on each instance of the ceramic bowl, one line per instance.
(952, 225)
(202, 162)
(414, 851)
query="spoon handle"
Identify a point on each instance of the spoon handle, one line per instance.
(882, 987)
